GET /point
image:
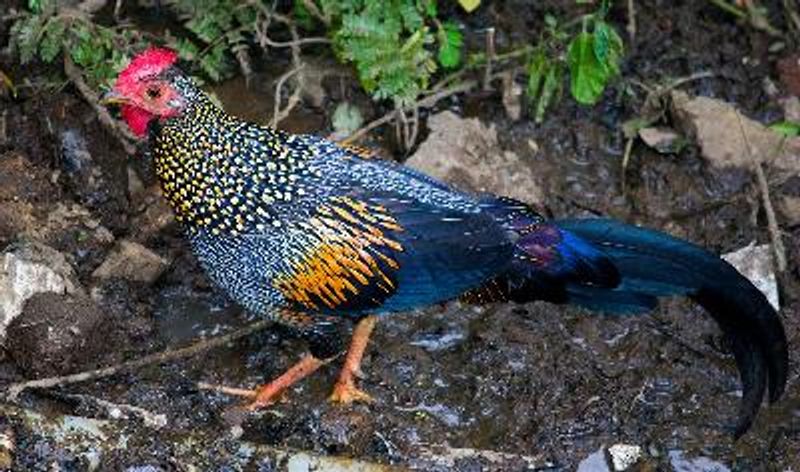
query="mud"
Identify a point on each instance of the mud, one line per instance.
(502, 387)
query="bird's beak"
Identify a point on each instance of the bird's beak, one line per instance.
(112, 97)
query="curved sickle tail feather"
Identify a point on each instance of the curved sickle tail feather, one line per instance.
(653, 264)
(611, 267)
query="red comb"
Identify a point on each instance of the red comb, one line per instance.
(150, 62)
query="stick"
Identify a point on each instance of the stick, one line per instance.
(232, 391)
(279, 114)
(490, 53)
(426, 102)
(125, 137)
(631, 19)
(13, 391)
(121, 410)
(772, 221)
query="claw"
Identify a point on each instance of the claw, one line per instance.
(345, 393)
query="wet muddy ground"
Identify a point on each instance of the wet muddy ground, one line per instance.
(535, 387)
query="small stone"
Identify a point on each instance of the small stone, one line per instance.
(465, 153)
(663, 140)
(594, 462)
(28, 268)
(623, 456)
(132, 261)
(755, 263)
(56, 334)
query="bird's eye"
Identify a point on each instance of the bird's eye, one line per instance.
(153, 92)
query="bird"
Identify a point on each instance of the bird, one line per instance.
(320, 236)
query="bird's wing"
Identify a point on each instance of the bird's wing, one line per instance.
(373, 251)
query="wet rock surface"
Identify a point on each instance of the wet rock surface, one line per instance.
(132, 261)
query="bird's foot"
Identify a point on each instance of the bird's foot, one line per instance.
(345, 392)
(270, 393)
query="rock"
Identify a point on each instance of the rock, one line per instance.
(132, 261)
(623, 456)
(717, 128)
(594, 462)
(755, 263)
(680, 463)
(56, 334)
(466, 154)
(28, 268)
(663, 140)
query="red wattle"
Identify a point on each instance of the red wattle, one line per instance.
(137, 119)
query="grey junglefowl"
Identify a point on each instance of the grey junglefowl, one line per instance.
(314, 234)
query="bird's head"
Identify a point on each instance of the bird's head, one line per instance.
(147, 89)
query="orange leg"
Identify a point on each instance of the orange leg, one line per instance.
(267, 394)
(345, 390)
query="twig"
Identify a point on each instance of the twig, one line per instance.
(490, 53)
(312, 8)
(234, 392)
(120, 410)
(772, 221)
(632, 18)
(791, 13)
(426, 102)
(245, 64)
(626, 157)
(756, 19)
(14, 390)
(125, 137)
(297, 42)
(279, 114)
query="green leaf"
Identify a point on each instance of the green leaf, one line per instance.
(588, 77)
(469, 5)
(537, 69)
(52, 40)
(450, 42)
(608, 47)
(428, 6)
(25, 34)
(789, 129)
(551, 88)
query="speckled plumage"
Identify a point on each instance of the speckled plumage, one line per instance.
(297, 222)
